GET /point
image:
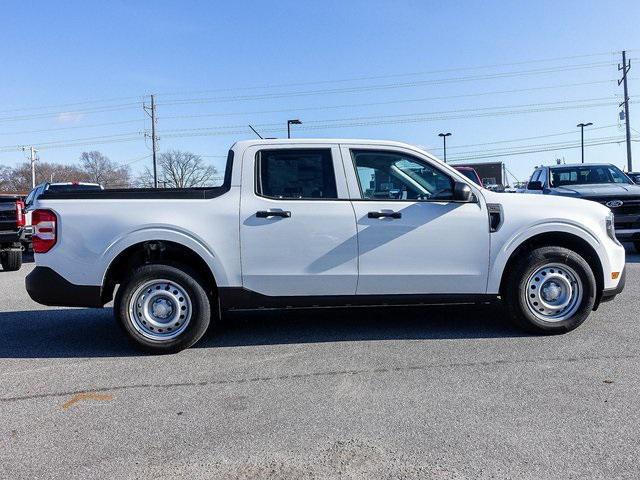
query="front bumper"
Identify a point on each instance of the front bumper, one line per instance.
(46, 286)
(610, 293)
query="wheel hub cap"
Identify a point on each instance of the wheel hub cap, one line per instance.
(553, 292)
(160, 310)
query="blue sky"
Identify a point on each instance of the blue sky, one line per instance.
(222, 64)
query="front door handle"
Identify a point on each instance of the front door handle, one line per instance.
(276, 213)
(384, 215)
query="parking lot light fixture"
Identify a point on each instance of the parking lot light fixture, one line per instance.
(582, 125)
(444, 140)
(292, 122)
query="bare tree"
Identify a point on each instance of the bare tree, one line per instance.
(178, 169)
(20, 176)
(6, 182)
(100, 169)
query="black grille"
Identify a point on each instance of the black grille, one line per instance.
(629, 205)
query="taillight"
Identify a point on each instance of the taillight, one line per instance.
(44, 230)
(20, 220)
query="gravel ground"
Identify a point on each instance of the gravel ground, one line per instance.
(444, 393)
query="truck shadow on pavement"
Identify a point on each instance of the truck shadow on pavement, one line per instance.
(69, 333)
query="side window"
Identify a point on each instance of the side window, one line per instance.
(535, 176)
(543, 176)
(296, 174)
(397, 176)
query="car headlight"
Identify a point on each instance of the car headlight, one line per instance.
(610, 227)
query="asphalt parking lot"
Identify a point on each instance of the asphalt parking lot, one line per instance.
(444, 393)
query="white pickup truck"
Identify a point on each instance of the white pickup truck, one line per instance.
(309, 223)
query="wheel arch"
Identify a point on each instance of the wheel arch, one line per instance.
(558, 239)
(156, 251)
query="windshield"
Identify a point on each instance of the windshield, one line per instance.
(587, 174)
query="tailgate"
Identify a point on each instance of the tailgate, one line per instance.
(8, 220)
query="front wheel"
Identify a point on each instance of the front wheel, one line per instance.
(163, 308)
(550, 290)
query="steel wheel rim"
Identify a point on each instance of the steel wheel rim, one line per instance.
(553, 292)
(160, 310)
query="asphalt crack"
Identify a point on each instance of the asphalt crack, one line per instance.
(326, 373)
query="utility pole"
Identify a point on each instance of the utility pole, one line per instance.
(151, 111)
(33, 164)
(626, 66)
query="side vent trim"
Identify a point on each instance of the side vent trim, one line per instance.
(496, 216)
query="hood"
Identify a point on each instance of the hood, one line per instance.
(598, 190)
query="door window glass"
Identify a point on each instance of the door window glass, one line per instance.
(396, 176)
(543, 176)
(296, 174)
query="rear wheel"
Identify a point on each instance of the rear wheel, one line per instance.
(163, 308)
(550, 290)
(11, 260)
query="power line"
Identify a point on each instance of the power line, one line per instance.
(48, 145)
(390, 102)
(564, 68)
(516, 148)
(426, 116)
(72, 104)
(76, 127)
(87, 111)
(394, 75)
(317, 82)
(513, 140)
(533, 150)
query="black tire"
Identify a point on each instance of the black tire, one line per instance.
(515, 290)
(191, 285)
(11, 260)
(636, 245)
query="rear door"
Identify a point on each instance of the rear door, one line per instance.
(413, 238)
(297, 226)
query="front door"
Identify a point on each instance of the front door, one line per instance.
(297, 228)
(413, 237)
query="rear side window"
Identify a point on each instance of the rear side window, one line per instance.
(296, 174)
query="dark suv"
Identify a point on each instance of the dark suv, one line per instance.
(603, 183)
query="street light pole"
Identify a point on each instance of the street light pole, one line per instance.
(444, 141)
(582, 125)
(292, 122)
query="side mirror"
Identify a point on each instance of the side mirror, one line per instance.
(534, 186)
(461, 192)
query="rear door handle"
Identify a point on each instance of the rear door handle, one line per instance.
(384, 215)
(276, 213)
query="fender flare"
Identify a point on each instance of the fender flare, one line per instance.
(499, 262)
(167, 233)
